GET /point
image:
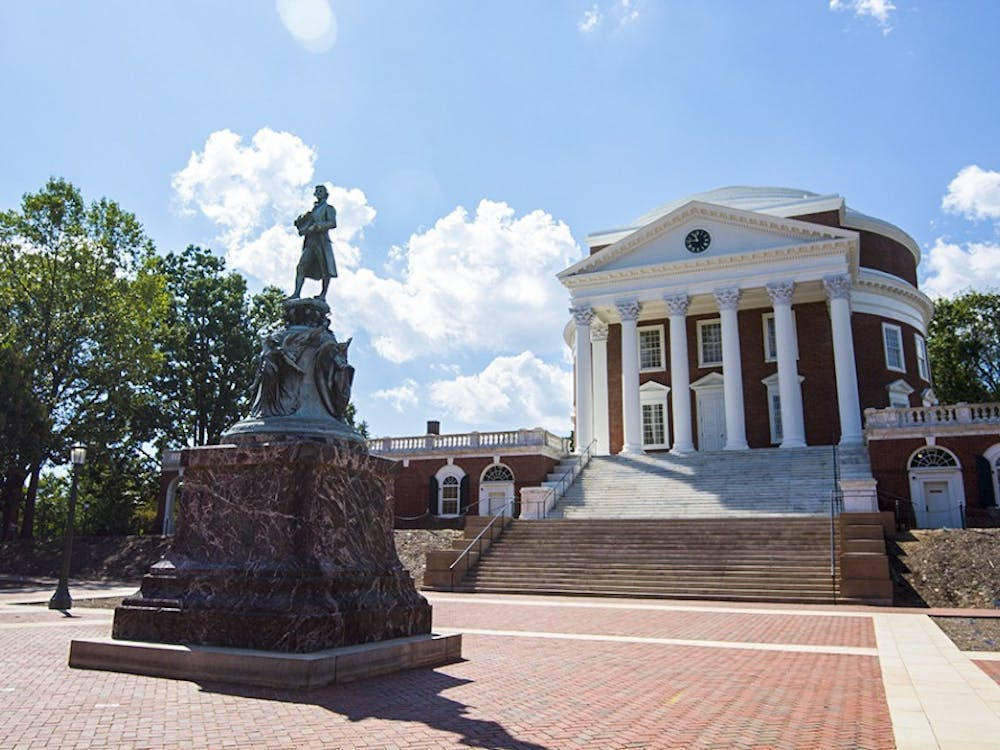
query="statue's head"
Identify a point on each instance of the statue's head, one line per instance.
(321, 193)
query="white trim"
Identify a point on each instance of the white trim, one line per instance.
(923, 363)
(771, 389)
(919, 477)
(992, 455)
(928, 397)
(882, 293)
(663, 347)
(795, 331)
(446, 471)
(700, 324)
(901, 390)
(886, 327)
(652, 393)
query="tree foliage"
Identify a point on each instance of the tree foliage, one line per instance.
(79, 298)
(963, 341)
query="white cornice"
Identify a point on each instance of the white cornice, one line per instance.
(881, 282)
(791, 228)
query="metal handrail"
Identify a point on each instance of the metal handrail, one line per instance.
(836, 502)
(897, 515)
(581, 460)
(479, 539)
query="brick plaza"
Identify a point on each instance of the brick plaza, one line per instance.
(542, 672)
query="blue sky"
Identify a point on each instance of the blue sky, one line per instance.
(471, 146)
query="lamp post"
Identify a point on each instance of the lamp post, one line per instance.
(61, 599)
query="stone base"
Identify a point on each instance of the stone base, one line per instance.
(265, 668)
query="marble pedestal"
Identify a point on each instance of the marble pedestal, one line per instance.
(282, 545)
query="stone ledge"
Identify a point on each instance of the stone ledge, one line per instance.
(266, 668)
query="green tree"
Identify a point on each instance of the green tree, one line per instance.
(79, 298)
(963, 341)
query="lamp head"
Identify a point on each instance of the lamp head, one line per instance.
(78, 454)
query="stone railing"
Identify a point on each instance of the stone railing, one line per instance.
(470, 441)
(927, 416)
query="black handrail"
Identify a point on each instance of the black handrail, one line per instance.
(588, 453)
(836, 503)
(479, 540)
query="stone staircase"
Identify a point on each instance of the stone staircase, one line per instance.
(740, 559)
(769, 482)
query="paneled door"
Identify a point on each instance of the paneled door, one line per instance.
(711, 419)
(942, 511)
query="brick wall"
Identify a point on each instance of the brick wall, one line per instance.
(869, 356)
(411, 489)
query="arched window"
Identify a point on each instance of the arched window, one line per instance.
(933, 457)
(498, 473)
(449, 496)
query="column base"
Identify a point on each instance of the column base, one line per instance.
(796, 443)
(631, 450)
(852, 440)
(682, 450)
(736, 447)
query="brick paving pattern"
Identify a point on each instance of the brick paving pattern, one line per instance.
(510, 692)
(992, 668)
(815, 630)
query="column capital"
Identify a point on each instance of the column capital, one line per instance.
(728, 299)
(678, 304)
(598, 331)
(628, 309)
(838, 286)
(582, 315)
(781, 292)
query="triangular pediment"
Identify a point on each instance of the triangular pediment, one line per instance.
(702, 231)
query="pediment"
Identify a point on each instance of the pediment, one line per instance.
(731, 232)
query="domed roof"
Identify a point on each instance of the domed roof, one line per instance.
(776, 201)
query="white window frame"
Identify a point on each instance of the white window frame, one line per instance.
(443, 473)
(773, 356)
(771, 388)
(886, 327)
(701, 350)
(899, 390)
(923, 363)
(652, 393)
(663, 348)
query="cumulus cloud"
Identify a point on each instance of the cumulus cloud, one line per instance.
(952, 268)
(310, 22)
(974, 193)
(402, 397)
(879, 10)
(477, 281)
(520, 389)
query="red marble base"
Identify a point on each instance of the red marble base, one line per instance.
(280, 546)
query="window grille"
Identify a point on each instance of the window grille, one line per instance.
(498, 473)
(651, 349)
(932, 458)
(653, 431)
(449, 496)
(893, 338)
(710, 343)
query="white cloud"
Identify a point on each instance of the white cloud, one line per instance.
(975, 193)
(880, 10)
(481, 281)
(311, 22)
(519, 390)
(950, 268)
(401, 397)
(628, 12)
(590, 19)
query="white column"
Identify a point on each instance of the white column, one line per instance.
(584, 397)
(838, 288)
(599, 347)
(680, 376)
(631, 410)
(732, 369)
(793, 434)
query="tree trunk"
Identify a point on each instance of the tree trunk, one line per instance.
(28, 524)
(13, 493)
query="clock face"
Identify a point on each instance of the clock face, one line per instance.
(697, 241)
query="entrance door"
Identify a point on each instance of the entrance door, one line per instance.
(493, 496)
(940, 508)
(711, 419)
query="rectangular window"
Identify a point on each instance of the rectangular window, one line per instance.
(651, 348)
(449, 499)
(771, 337)
(892, 341)
(923, 366)
(709, 343)
(775, 399)
(898, 400)
(653, 430)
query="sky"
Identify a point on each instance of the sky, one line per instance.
(470, 147)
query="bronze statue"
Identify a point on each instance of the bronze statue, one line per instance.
(316, 261)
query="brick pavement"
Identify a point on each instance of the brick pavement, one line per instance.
(510, 692)
(992, 668)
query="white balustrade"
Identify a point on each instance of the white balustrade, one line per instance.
(920, 416)
(470, 441)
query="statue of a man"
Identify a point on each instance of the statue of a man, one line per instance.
(317, 260)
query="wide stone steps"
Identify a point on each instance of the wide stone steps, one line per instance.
(744, 559)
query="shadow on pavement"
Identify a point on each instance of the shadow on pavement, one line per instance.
(413, 695)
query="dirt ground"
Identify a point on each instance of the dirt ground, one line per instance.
(947, 568)
(127, 558)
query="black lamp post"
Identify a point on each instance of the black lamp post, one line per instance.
(61, 599)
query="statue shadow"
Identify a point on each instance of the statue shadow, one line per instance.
(414, 695)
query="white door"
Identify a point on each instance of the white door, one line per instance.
(493, 496)
(941, 510)
(711, 420)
